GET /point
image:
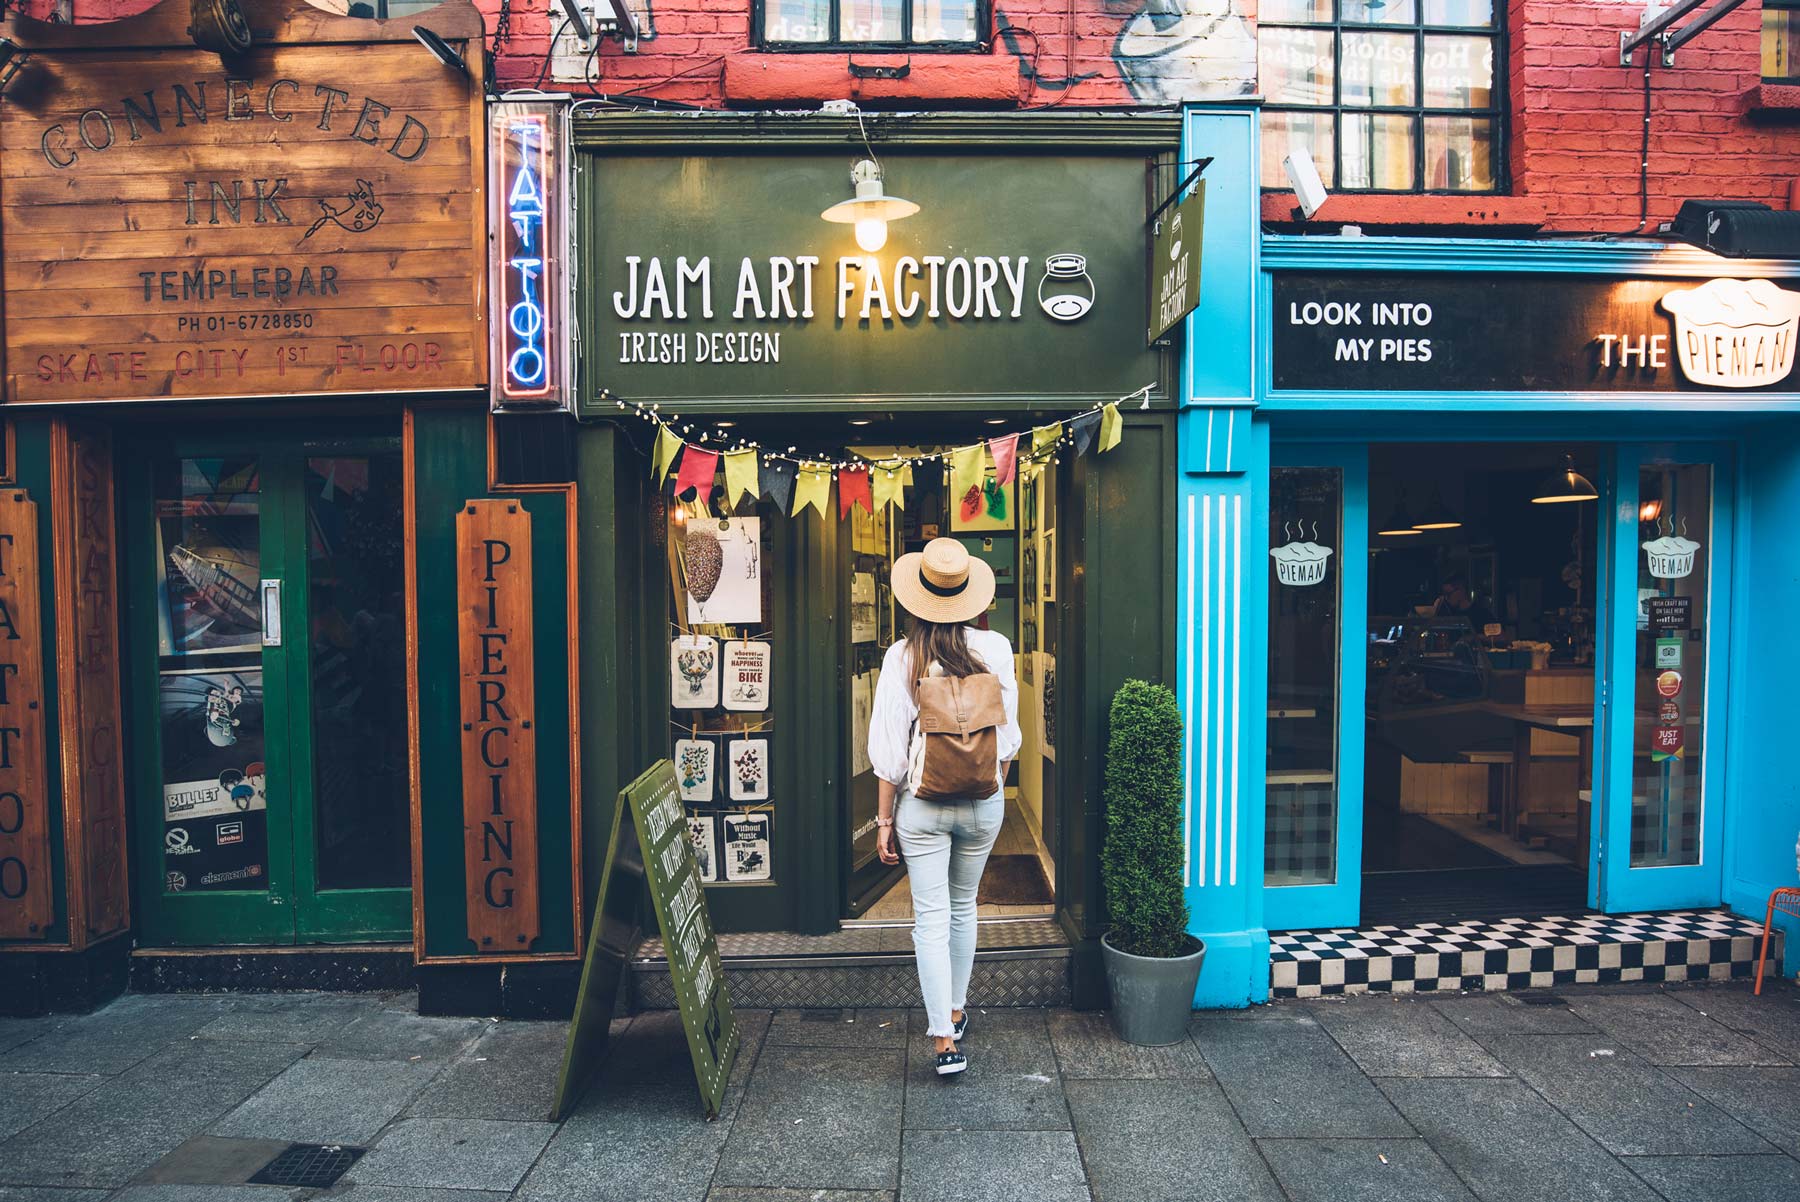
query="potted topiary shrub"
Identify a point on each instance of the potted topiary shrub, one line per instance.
(1152, 963)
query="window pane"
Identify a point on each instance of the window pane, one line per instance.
(869, 20)
(1294, 10)
(1780, 43)
(1459, 72)
(1459, 154)
(944, 21)
(1305, 518)
(1459, 12)
(1378, 68)
(1378, 151)
(1673, 562)
(1378, 12)
(1285, 132)
(1295, 65)
(796, 20)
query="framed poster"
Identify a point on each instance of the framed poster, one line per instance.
(746, 852)
(703, 835)
(988, 505)
(694, 763)
(747, 675)
(747, 769)
(863, 625)
(694, 672)
(722, 564)
(1048, 567)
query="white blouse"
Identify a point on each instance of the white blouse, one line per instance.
(894, 711)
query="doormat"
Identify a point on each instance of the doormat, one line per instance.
(1014, 880)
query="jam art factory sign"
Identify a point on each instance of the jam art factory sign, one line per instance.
(306, 218)
(1532, 333)
(729, 287)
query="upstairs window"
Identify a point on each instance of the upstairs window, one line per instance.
(841, 25)
(1386, 95)
(1781, 41)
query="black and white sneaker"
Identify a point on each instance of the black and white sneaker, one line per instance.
(960, 1027)
(951, 1063)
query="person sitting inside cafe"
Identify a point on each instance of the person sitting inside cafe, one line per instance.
(1456, 600)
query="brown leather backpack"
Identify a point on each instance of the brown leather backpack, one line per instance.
(956, 756)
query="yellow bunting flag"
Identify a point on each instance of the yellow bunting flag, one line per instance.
(740, 476)
(1112, 427)
(662, 459)
(968, 472)
(1044, 437)
(813, 488)
(888, 483)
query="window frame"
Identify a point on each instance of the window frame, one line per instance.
(1498, 108)
(983, 43)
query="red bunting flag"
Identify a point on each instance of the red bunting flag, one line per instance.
(853, 489)
(697, 469)
(1005, 451)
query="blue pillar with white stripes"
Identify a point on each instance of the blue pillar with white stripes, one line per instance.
(1222, 645)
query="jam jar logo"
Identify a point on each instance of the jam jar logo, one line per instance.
(1734, 333)
(1067, 291)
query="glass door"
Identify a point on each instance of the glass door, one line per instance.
(267, 642)
(1664, 680)
(1317, 588)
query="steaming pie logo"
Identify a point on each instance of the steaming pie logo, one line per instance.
(1734, 333)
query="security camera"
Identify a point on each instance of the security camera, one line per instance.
(1305, 177)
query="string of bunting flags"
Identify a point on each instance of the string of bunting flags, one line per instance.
(794, 482)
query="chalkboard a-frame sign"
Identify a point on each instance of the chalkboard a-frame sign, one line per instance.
(652, 848)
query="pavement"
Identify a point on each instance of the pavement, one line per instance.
(1613, 1093)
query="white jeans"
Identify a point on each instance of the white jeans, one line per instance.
(946, 844)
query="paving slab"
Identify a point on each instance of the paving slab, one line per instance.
(1288, 1079)
(112, 1039)
(39, 1193)
(453, 1154)
(1502, 1014)
(291, 1018)
(840, 1028)
(1087, 1046)
(1767, 1100)
(818, 1117)
(1011, 1083)
(388, 1034)
(213, 1160)
(510, 1073)
(351, 1192)
(189, 1192)
(15, 1031)
(27, 1097)
(1508, 1144)
(991, 1166)
(1362, 1170)
(1720, 1178)
(1166, 1141)
(738, 1193)
(329, 1101)
(1771, 1018)
(1402, 1037)
(1620, 1100)
(110, 1135)
(1665, 1031)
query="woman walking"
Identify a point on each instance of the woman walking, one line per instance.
(943, 729)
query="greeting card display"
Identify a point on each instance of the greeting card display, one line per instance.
(706, 845)
(694, 768)
(746, 846)
(694, 672)
(723, 562)
(746, 675)
(747, 769)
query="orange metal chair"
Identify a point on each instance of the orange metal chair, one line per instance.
(1786, 900)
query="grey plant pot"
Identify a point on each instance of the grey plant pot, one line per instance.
(1152, 997)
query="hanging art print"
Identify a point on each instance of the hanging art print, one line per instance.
(747, 769)
(694, 672)
(706, 845)
(215, 799)
(746, 847)
(747, 675)
(722, 560)
(209, 548)
(694, 768)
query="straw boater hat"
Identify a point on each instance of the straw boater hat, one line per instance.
(943, 583)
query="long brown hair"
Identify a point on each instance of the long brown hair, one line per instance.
(942, 643)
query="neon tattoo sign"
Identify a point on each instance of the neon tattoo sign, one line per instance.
(527, 341)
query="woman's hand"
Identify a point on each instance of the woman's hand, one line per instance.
(884, 845)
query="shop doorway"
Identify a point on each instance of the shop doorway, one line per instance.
(1488, 681)
(266, 646)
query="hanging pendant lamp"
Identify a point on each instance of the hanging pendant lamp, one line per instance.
(1565, 485)
(1437, 515)
(1399, 523)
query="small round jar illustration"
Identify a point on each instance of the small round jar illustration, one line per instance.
(1067, 291)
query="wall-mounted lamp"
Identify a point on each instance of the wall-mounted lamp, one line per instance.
(1565, 485)
(871, 208)
(441, 50)
(12, 61)
(1738, 229)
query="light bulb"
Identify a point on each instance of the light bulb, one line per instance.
(871, 234)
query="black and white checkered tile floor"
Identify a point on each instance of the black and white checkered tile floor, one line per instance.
(1516, 953)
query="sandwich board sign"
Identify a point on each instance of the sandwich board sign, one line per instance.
(651, 848)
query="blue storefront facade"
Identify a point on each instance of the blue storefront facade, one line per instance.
(1332, 383)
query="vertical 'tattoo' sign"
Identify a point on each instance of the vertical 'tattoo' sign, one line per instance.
(26, 905)
(499, 747)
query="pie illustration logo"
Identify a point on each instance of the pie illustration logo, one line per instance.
(360, 213)
(1734, 333)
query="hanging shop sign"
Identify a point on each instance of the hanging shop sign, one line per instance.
(499, 748)
(528, 277)
(305, 218)
(1175, 238)
(1018, 280)
(27, 905)
(1473, 332)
